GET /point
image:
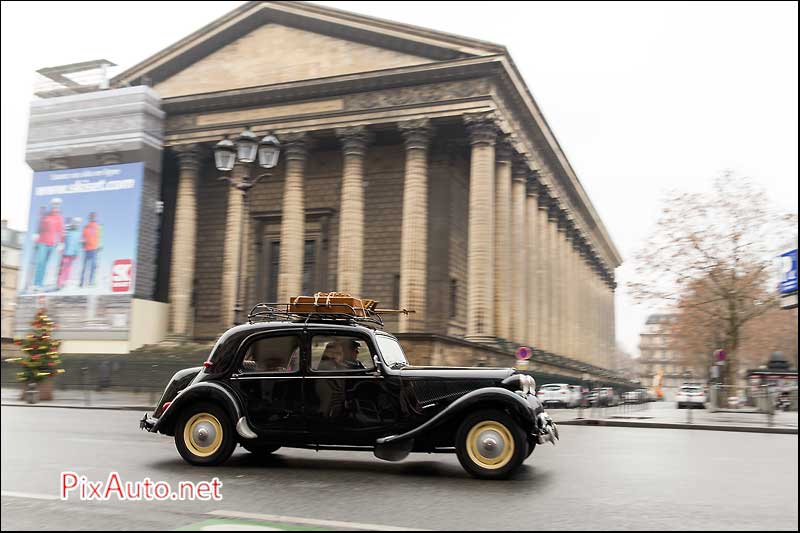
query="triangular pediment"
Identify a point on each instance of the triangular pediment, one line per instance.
(274, 54)
(263, 43)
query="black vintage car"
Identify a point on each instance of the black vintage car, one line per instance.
(338, 382)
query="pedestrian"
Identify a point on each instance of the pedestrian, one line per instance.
(92, 235)
(72, 246)
(51, 234)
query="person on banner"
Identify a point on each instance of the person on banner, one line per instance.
(30, 273)
(92, 244)
(72, 248)
(51, 235)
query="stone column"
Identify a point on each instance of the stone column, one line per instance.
(503, 252)
(569, 316)
(555, 274)
(231, 269)
(564, 257)
(293, 217)
(534, 258)
(350, 269)
(595, 316)
(612, 313)
(480, 255)
(544, 275)
(584, 308)
(414, 231)
(519, 253)
(181, 283)
(573, 294)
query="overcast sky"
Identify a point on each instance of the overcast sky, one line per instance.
(642, 97)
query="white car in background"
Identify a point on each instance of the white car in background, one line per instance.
(691, 396)
(558, 394)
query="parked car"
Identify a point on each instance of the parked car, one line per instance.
(558, 395)
(598, 397)
(691, 396)
(612, 398)
(632, 397)
(333, 382)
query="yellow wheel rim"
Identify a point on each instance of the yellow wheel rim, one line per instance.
(202, 434)
(490, 444)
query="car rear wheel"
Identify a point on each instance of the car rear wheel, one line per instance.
(490, 445)
(204, 435)
(260, 448)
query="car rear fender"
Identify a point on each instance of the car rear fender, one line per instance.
(520, 408)
(203, 391)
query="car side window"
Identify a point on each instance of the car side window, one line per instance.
(340, 353)
(273, 354)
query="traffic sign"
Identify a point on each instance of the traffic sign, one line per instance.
(788, 283)
(524, 353)
(720, 355)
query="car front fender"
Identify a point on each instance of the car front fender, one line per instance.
(522, 409)
(203, 391)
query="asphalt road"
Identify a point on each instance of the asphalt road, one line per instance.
(597, 478)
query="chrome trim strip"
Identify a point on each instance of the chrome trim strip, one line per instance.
(237, 377)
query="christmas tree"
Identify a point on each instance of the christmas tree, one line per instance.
(40, 360)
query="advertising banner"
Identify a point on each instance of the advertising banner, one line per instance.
(80, 248)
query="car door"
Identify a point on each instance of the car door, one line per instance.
(347, 399)
(269, 378)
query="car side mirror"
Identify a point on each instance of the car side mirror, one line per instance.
(377, 361)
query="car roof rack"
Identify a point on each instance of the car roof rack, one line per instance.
(322, 312)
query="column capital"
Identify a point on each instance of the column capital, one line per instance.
(417, 133)
(520, 168)
(482, 127)
(296, 145)
(562, 220)
(189, 156)
(504, 149)
(534, 183)
(354, 139)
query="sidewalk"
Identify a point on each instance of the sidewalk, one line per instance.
(77, 399)
(667, 415)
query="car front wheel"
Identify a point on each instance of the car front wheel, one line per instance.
(204, 435)
(490, 445)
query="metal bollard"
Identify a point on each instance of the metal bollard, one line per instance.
(84, 384)
(152, 381)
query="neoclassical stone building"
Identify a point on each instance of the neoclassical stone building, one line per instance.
(416, 169)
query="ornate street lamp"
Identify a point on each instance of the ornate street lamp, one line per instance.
(247, 149)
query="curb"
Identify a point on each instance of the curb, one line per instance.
(664, 425)
(78, 406)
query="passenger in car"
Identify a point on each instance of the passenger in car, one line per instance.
(331, 357)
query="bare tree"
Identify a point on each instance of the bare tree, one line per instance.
(712, 259)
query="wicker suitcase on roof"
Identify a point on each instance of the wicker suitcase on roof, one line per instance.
(332, 302)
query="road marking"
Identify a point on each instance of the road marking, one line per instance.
(28, 495)
(310, 521)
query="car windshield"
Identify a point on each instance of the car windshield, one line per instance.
(392, 351)
(550, 387)
(690, 389)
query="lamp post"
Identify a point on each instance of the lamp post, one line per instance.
(250, 151)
